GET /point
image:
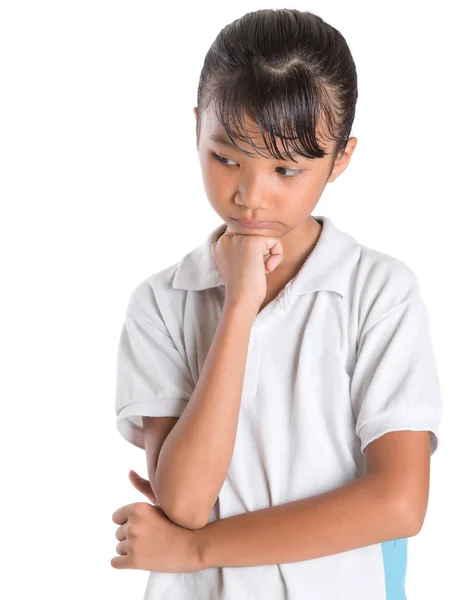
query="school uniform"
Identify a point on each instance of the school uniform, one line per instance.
(340, 357)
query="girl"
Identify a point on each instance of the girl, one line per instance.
(290, 366)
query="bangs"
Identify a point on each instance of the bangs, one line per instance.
(285, 104)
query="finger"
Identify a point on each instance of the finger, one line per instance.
(272, 263)
(148, 494)
(122, 548)
(144, 486)
(275, 246)
(121, 515)
(135, 477)
(120, 562)
(121, 532)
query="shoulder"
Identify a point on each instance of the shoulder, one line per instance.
(154, 295)
(383, 282)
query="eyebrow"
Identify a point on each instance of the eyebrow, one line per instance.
(220, 139)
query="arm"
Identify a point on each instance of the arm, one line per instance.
(388, 502)
(196, 455)
(354, 515)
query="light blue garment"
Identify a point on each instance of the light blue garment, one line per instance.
(395, 566)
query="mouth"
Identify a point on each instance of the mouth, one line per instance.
(262, 224)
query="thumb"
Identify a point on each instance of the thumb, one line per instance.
(142, 485)
(136, 479)
(273, 262)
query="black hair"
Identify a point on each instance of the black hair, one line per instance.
(284, 68)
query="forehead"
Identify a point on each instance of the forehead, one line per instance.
(213, 131)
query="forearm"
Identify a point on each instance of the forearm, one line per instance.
(196, 455)
(357, 514)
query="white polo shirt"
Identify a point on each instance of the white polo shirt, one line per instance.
(340, 357)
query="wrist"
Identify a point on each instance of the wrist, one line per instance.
(241, 308)
(199, 549)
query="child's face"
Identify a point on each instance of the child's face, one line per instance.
(265, 189)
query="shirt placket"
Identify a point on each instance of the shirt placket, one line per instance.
(266, 319)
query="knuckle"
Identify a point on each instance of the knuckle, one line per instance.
(138, 508)
(133, 529)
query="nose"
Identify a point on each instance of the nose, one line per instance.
(252, 193)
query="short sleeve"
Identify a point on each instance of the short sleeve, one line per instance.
(152, 379)
(395, 384)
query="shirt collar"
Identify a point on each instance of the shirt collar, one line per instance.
(328, 266)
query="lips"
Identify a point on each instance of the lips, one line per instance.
(254, 223)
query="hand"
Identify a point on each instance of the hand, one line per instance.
(244, 261)
(143, 485)
(150, 541)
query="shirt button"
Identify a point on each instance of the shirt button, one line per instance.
(250, 342)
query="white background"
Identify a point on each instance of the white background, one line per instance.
(100, 187)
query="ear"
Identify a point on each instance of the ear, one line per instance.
(195, 112)
(342, 163)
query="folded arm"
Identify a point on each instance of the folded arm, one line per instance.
(388, 502)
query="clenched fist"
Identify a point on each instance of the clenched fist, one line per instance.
(244, 261)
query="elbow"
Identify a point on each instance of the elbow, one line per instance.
(185, 514)
(181, 514)
(189, 519)
(415, 523)
(410, 519)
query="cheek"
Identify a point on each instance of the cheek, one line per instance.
(215, 182)
(217, 193)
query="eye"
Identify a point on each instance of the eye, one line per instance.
(222, 160)
(297, 172)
